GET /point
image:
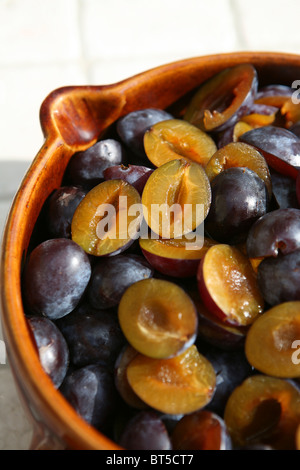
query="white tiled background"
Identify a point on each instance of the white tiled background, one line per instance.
(45, 44)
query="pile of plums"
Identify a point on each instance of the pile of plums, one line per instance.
(179, 331)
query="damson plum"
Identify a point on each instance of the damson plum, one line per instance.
(85, 169)
(298, 187)
(103, 223)
(125, 356)
(175, 138)
(280, 147)
(228, 286)
(91, 392)
(277, 232)
(179, 385)
(145, 431)
(176, 257)
(201, 430)
(61, 207)
(112, 276)
(136, 175)
(158, 318)
(239, 154)
(176, 198)
(132, 127)
(284, 191)
(295, 128)
(231, 368)
(279, 278)
(270, 341)
(92, 336)
(239, 198)
(55, 278)
(52, 348)
(223, 99)
(264, 410)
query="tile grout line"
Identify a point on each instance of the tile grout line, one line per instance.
(235, 12)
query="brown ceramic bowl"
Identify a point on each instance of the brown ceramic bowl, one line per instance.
(73, 118)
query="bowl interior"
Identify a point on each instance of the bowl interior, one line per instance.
(72, 119)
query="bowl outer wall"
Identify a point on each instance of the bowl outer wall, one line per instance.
(72, 119)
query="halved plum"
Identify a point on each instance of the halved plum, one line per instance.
(239, 154)
(173, 139)
(228, 286)
(264, 410)
(222, 100)
(176, 198)
(176, 257)
(270, 340)
(217, 333)
(280, 147)
(103, 223)
(180, 385)
(201, 430)
(158, 318)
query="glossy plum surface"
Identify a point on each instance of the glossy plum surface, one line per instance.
(277, 232)
(279, 278)
(132, 127)
(239, 198)
(61, 207)
(280, 147)
(91, 392)
(136, 175)
(52, 348)
(55, 278)
(146, 431)
(111, 277)
(93, 337)
(85, 168)
(231, 367)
